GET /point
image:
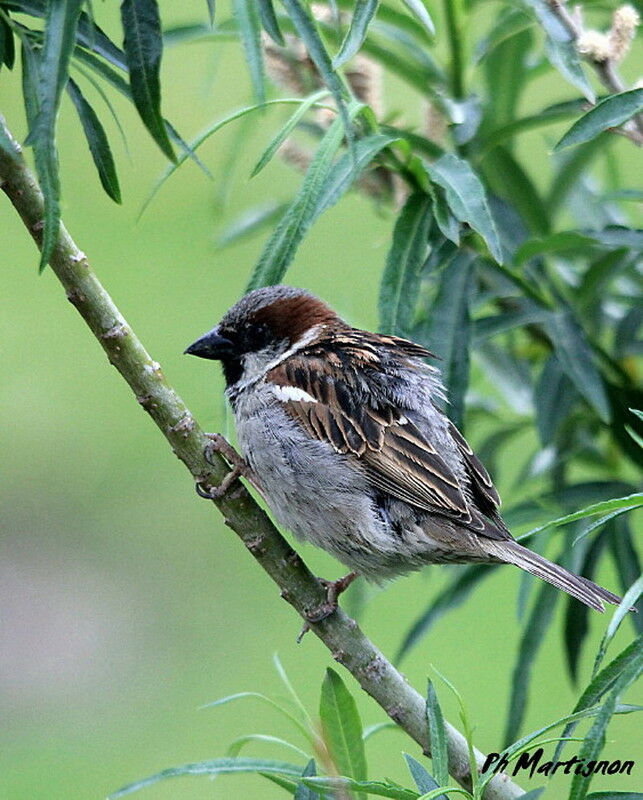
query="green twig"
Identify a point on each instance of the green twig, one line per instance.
(454, 14)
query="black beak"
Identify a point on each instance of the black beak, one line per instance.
(211, 345)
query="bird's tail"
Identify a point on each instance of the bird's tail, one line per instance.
(581, 588)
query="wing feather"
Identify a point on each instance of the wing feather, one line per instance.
(393, 453)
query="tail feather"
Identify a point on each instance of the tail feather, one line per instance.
(581, 588)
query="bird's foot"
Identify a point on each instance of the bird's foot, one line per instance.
(329, 606)
(239, 468)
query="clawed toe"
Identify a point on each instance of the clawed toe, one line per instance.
(239, 468)
(325, 609)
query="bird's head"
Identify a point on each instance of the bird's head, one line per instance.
(261, 329)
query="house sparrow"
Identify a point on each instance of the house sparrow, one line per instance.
(341, 431)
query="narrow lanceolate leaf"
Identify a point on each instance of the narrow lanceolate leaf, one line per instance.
(247, 15)
(609, 113)
(449, 330)
(348, 169)
(630, 501)
(284, 133)
(601, 684)
(437, 737)
(269, 22)
(216, 766)
(629, 600)
(307, 30)
(363, 13)
(7, 46)
(211, 10)
(344, 785)
(535, 628)
(97, 141)
(49, 72)
(560, 47)
(303, 792)
(419, 10)
(466, 197)
(423, 780)
(595, 739)
(401, 279)
(342, 727)
(317, 191)
(143, 45)
(575, 356)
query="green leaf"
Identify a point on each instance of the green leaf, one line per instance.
(371, 730)
(448, 332)
(419, 10)
(342, 727)
(630, 502)
(547, 116)
(608, 113)
(452, 596)
(250, 221)
(576, 358)
(615, 796)
(600, 685)
(401, 278)
(269, 22)
(307, 30)
(577, 614)
(49, 72)
(216, 766)
(143, 45)
(561, 242)
(267, 700)
(449, 226)
(437, 738)
(377, 788)
(508, 179)
(238, 744)
(466, 197)
(629, 600)
(302, 792)
(323, 184)
(595, 739)
(560, 47)
(288, 784)
(247, 15)
(205, 135)
(532, 637)
(436, 794)
(423, 780)
(363, 13)
(287, 236)
(306, 104)
(7, 46)
(211, 10)
(97, 141)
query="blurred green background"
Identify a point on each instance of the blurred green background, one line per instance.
(125, 602)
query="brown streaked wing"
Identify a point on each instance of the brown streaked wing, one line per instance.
(478, 475)
(396, 457)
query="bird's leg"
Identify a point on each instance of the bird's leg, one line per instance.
(325, 609)
(239, 468)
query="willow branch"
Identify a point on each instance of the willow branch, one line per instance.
(341, 634)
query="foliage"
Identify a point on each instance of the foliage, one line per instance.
(526, 272)
(337, 743)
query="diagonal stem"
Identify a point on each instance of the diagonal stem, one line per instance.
(341, 635)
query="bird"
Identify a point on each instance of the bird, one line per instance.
(342, 431)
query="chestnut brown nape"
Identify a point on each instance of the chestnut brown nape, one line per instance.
(290, 317)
